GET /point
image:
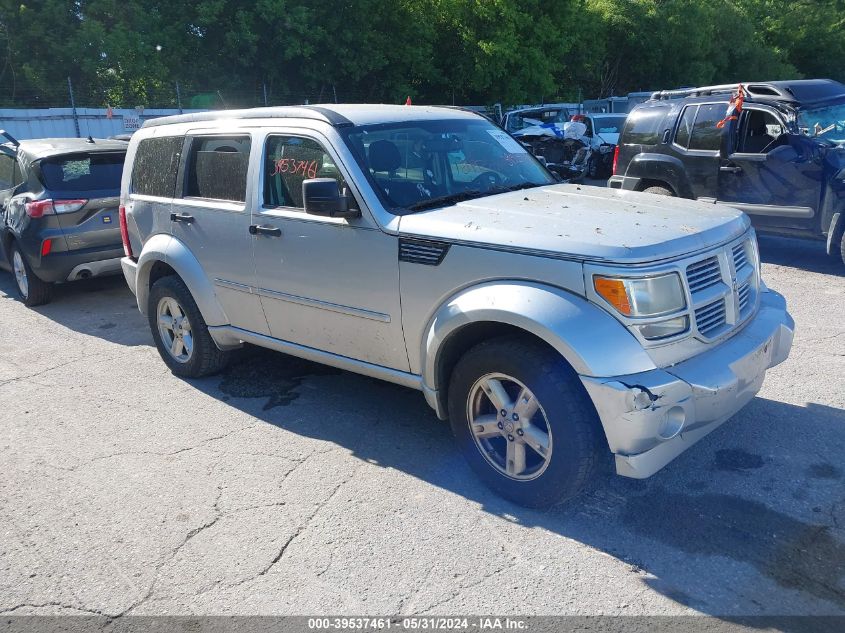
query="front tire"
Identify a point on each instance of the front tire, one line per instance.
(31, 289)
(181, 334)
(524, 421)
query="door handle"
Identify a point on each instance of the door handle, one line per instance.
(731, 169)
(272, 231)
(181, 217)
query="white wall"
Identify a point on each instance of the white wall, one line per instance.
(58, 122)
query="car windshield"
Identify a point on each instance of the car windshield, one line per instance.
(415, 165)
(827, 123)
(529, 118)
(609, 124)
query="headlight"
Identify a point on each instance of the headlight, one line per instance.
(664, 329)
(642, 296)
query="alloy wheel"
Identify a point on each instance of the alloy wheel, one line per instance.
(20, 273)
(175, 330)
(509, 426)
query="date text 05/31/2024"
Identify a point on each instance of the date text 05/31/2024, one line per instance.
(417, 624)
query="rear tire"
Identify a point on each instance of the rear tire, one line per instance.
(561, 437)
(842, 247)
(659, 191)
(31, 290)
(180, 333)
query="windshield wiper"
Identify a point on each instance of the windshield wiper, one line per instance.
(470, 194)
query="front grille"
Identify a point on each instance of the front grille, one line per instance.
(703, 274)
(422, 252)
(744, 294)
(711, 317)
(740, 256)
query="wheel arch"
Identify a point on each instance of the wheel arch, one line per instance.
(589, 339)
(165, 255)
(662, 170)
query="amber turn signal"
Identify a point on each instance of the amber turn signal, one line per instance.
(613, 291)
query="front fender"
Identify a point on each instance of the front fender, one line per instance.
(171, 251)
(591, 340)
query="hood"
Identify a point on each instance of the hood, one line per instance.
(582, 222)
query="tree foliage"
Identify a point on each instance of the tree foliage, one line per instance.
(233, 52)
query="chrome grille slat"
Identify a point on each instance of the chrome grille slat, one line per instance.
(740, 257)
(703, 274)
(710, 317)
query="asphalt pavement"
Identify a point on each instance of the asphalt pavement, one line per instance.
(283, 487)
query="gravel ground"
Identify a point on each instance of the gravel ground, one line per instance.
(282, 487)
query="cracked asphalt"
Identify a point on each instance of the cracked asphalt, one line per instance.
(283, 487)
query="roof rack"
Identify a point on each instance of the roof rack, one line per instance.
(760, 90)
(315, 113)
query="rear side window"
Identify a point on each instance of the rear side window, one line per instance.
(643, 126)
(155, 166)
(705, 134)
(83, 172)
(684, 132)
(217, 168)
(7, 172)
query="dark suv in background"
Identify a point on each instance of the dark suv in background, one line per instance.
(781, 160)
(59, 211)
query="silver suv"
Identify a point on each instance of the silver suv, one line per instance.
(551, 324)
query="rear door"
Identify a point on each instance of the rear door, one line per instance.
(85, 189)
(210, 216)
(697, 140)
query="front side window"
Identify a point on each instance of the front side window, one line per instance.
(83, 172)
(289, 160)
(217, 168)
(760, 132)
(705, 134)
(422, 164)
(155, 166)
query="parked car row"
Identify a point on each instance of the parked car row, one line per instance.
(780, 158)
(553, 327)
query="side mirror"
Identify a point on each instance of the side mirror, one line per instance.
(322, 196)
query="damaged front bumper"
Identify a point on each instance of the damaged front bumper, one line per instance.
(652, 417)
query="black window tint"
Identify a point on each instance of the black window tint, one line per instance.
(217, 168)
(155, 166)
(83, 172)
(705, 134)
(685, 126)
(288, 160)
(643, 126)
(7, 172)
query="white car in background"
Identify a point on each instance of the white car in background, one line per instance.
(603, 130)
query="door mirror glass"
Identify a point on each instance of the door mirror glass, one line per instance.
(322, 196)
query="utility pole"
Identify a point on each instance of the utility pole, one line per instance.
(178, 98)
(264, 86)
(73, 107)
(335, 93)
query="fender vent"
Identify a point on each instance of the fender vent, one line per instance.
(422, 252)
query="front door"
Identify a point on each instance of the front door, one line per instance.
(209, 215)
(773, 175)
(330, 284)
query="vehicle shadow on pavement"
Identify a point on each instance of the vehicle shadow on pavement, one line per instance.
(744, 509)
(807, 255)
(74, 305)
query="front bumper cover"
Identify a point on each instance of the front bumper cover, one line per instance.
(652, 417)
